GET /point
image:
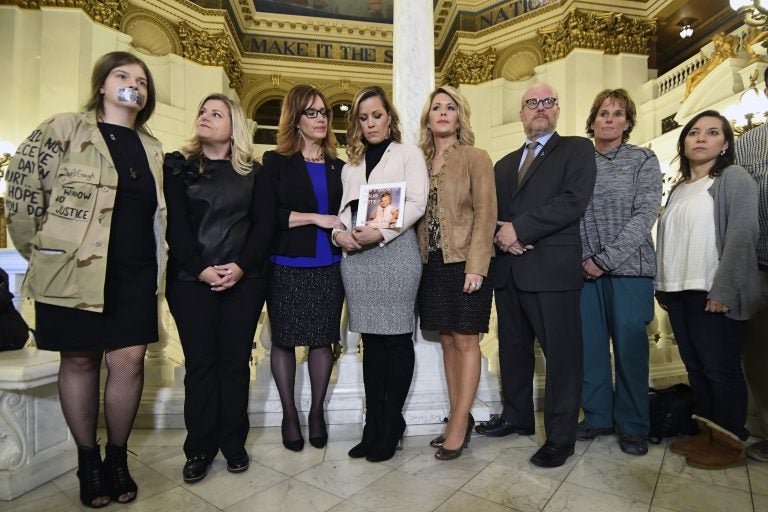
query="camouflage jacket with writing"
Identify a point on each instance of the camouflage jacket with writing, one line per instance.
(61, 193)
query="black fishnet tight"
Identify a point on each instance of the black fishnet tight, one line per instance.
(79, 392)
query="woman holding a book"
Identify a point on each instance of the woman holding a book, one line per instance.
(456, 243)
(382, 267)
(306, 293)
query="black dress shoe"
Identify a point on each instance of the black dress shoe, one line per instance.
(586, 432)
(196, 468)
(552, 455)
(239, 464)
(633, 444)
(498, 427)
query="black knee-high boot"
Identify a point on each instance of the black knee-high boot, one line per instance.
(399, 372)
(374, 375)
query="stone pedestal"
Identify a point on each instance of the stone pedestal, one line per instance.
(35, 443)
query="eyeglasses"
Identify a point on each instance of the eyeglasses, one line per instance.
(312, 112)
(534, 103)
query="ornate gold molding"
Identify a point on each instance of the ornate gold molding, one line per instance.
(611, 32)
(211, 50)
(471, 68)
(106, 12)
(725, 47)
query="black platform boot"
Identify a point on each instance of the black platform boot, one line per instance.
(116, 473)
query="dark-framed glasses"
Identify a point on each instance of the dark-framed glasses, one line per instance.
(313, 112)
(534, 103)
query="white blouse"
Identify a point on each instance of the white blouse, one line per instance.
(687, 253)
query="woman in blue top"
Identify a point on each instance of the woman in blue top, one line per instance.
(306, 293)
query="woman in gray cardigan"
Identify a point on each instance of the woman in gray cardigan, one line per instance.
(707, 281)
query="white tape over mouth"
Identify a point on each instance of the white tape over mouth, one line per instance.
(130, 95)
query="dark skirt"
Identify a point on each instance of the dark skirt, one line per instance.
(443, 304)
(304, 305)
(129, 317)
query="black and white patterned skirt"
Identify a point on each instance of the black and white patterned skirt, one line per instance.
(304, 305)
(443, 304)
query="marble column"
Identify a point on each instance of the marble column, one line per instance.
(413, 76)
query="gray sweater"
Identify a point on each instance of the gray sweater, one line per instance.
(616, 226)
(736, 283)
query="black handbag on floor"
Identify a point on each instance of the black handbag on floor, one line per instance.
(670, 411)
(14, 331)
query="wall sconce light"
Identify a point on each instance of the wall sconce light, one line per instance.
(686, 27)
(755, 14)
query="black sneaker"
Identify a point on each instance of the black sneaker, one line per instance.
(586, 432)
(633, 444)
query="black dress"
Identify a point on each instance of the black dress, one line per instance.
(130, 300)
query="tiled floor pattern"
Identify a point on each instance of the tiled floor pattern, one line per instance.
(493, 475)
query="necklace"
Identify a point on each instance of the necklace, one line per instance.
(133, 174)
(608, 155)
(315, 159)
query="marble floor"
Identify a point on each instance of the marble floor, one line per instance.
(493, 475)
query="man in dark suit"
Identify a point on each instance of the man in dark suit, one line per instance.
(542, 189)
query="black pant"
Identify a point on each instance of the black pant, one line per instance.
(711, 345)
(216, 331)
(555, 320)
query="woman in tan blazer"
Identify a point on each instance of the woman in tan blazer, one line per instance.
(456, 243)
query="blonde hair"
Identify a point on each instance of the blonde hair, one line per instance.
(289, 139)
(240, 152)
(464, 132)
(356, 148)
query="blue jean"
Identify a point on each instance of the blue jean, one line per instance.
(711, 345)
(617, 309)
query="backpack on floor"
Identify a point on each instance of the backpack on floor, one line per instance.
(670, 412)
(14, 331)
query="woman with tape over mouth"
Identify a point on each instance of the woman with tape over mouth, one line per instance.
(86, 209)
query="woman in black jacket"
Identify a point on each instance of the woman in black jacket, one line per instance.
(306, 292)
(220, 226)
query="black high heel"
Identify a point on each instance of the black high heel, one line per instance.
(444, 453)
(321, 440)
(90, 473)
(296, 445)
(116, 473)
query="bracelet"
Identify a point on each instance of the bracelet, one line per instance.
(334, 236)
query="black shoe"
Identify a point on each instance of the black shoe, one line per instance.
(552, 455)
(239, 464)
(586, 432)
(122, 487)
(295, 445)
(94, 491)
(196, 468)
(321, 440)
(498, 427)
(633, 444)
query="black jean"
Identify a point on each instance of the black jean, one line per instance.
(711, 345)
